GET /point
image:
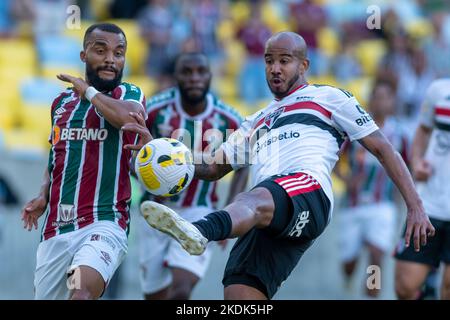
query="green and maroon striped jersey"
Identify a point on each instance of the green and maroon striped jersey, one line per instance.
(88, 167)
(167, 118)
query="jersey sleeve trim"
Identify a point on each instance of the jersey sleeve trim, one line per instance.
(363, 133)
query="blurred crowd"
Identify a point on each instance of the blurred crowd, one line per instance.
(350, 46)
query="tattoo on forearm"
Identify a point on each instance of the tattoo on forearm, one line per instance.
(202, 171)
(211, 172)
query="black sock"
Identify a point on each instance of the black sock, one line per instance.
(215, 226)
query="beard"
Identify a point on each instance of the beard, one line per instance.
(100, 84)
(194, 99)
(291, 82)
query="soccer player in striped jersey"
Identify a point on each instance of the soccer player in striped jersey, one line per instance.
(292, 146)
(430, 165)
(192, 114)
(86, 190)
(368, 214)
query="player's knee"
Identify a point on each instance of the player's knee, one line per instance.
(404, 289)
(81, 294)
(260, 201)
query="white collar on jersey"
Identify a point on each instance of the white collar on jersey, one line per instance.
(201, 116)
(292, 91)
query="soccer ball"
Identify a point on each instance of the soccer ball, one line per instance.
(164, 167)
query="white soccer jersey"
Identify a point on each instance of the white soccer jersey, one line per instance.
(435, 114)
(303, 132)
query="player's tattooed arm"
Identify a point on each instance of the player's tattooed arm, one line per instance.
(214, 168)
(211, 172)
(417, 222)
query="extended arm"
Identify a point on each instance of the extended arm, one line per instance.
(213, 169)
(417, 221)
(115, 111)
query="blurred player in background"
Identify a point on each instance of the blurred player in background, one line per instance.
(86, 189)
(368, 216)
(192, 114)
(430, 165)
(292, 146)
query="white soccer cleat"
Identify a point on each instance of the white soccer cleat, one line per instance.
(168, 221)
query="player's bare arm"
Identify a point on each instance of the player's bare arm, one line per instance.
(421, 168)
(116, 112)
(417, 221)
(216, 168)
(36, 207)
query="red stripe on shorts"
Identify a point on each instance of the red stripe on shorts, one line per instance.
(298, 183)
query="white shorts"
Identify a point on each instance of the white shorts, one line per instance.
(101, 245)
(372, 223)
(159, 252)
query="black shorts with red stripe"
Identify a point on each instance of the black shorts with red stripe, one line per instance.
(264, 258)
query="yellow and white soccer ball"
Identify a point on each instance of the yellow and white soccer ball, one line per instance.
(164, 167)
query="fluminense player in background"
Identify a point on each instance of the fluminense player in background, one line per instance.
(191, 113)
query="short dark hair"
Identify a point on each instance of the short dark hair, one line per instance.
(388, 82)
(107, 27)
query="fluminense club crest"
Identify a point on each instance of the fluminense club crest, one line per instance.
(66, 212)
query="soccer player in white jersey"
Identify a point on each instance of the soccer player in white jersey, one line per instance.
(431, 169)
(292, 146)
(367, 217)
(191, 113)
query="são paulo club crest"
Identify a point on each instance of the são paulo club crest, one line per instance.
(270, 119)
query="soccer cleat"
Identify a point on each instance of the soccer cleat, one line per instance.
(168, 221)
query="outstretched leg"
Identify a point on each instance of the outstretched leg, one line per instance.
(276, 223)
(250, 209)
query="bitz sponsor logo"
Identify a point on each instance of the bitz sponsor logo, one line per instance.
(365, 116)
